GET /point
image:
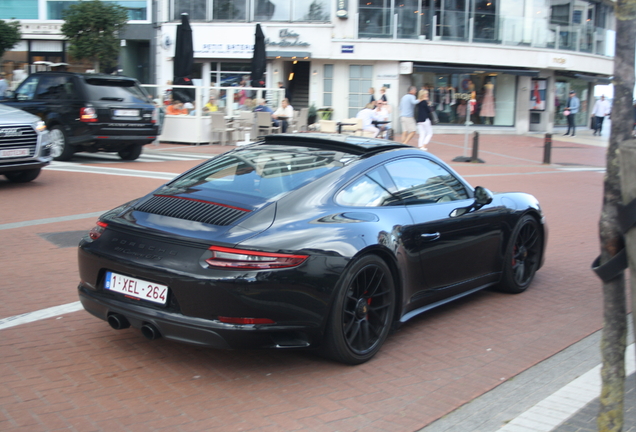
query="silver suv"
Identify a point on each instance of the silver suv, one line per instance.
(24, 145)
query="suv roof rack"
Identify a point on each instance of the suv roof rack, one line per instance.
(346, 143)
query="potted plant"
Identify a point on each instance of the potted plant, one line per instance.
(311, 114)
(325, 113)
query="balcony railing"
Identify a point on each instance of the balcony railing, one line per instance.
(379, 23)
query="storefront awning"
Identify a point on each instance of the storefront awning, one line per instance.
(469, 69)
(594, 79)
(296, 55)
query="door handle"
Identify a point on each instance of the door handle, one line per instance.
(430, 236)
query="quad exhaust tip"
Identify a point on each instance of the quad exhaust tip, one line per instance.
(150, 331)
(118, 321)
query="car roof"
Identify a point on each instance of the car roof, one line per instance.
(351, 144)
(86, 75)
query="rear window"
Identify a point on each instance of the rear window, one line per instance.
(116, 90)
(263, 171)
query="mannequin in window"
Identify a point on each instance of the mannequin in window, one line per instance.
(488, 103)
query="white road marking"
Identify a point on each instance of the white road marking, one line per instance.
(40, 315)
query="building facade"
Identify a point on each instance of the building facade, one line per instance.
(502, 66)
(42, 40)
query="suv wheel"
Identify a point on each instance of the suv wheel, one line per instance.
(131, 152)
(60, 149)
(22, 176)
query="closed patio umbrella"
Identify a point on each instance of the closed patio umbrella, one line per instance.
(183, 60)
(259, 58)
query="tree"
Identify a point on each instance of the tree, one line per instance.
(9, 35)
(93, 28)
(619, 190)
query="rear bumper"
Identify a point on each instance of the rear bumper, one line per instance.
(197, 331)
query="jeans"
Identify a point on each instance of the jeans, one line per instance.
(571, 124)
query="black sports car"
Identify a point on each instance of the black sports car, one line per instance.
(305, 240)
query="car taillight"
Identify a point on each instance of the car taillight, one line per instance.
(251, 260)
(241, 320)
(97, 230)
(88, 114)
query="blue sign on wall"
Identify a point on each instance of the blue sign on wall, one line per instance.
(347, 49)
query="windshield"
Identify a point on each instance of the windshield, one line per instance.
(115, 90)
(264, 171)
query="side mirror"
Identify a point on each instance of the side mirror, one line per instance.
(482, 197)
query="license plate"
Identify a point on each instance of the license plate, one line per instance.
(136, 288)
(14, 152)
(126, 113)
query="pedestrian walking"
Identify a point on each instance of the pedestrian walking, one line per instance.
(600, 111)
(570, 112)
(407, 114)
(424, 125)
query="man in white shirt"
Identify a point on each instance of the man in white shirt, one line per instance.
(601, 109)
(368, 115)
(284, 114)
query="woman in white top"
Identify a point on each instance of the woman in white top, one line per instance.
(284, 113)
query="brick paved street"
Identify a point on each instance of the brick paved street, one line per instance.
(73, 372)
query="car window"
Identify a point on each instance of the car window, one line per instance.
(27, 88)
(423, 181)
(55, 87)
(374, 189)
(116, 90)
(262, 172)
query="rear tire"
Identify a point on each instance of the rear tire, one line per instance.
(23, 176)
(131, 152)
(60, 148)
(362, 312)
(523, 256)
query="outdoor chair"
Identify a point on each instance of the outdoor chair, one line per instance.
(327, 126)
(219, 126)
(264, 124)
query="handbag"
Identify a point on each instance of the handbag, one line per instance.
(433, 117)
(566, 113)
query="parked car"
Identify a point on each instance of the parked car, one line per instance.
(305, 240)
(24, 145)
(89, 112)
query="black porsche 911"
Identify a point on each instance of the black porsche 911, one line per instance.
(303, 241)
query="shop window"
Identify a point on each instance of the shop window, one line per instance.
(137, 9)
(18, 9)
(482, 98)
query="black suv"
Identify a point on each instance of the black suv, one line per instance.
(89, 112)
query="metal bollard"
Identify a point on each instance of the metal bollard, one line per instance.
(475, 157)
(547, 149)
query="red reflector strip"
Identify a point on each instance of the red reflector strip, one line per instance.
(238, 320)
(103, 137)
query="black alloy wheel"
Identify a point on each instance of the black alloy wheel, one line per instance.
(523, 256)
(131, 152)
(362, 313)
